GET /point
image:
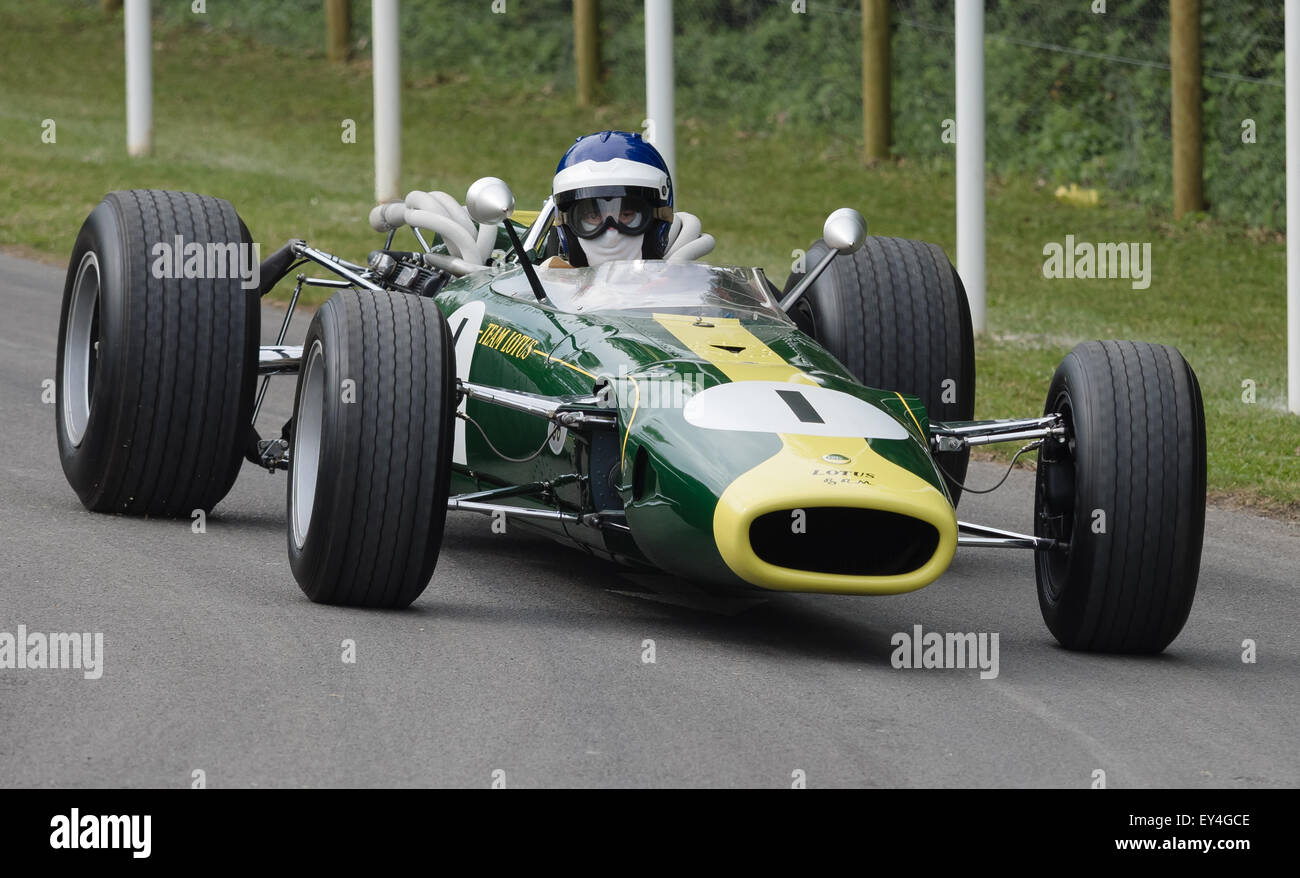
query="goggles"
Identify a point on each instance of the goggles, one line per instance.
(630, 214)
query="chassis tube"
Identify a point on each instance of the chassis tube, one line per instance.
(978, 535)
(340, 267)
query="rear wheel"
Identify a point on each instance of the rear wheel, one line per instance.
(895, 314)
(156, 368)
(1126, 491)
(370, 465)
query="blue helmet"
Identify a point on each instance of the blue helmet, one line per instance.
(611, 164)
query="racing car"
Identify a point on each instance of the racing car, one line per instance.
(669, 415)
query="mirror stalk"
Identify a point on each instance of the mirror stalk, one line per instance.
(808, 280)
(538, 290)
(844, 232)
(490, 201)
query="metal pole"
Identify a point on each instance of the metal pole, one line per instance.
(139, 78)
(388, 99)
(875, 79)
(338, 29)
(1185, 104)
(659, 80)
(970, 155)
(586, 48)
(1293, 205)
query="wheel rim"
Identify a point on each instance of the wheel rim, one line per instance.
(81, 349)
(1057, 513)
(305, 459)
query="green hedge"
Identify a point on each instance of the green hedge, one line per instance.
(1066, 116)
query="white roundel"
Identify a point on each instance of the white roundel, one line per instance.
(555, 439)
(782, 407)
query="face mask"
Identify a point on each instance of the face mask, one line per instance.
(612, 245)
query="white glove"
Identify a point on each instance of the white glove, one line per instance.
(685, 242)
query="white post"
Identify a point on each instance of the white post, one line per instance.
(659, 81)
(970, 155)
(386, 73)
(139, 78)
(1293, 205)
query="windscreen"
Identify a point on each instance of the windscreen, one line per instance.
(652, 285)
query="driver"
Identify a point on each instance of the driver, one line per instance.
(614, 199)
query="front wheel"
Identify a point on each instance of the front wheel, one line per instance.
(370, 465)
(1126, 491)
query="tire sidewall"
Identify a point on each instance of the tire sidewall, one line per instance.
(1064, 611)
(320, 551)
(90, 465)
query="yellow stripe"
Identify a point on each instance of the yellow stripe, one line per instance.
(723, 342)
(920, 432)
(636, 404)
(798, 475)
(550, 359)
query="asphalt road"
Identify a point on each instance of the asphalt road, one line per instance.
(523, 661)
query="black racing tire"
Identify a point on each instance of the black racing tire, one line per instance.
(370, 459)
(155, 375)
(895, 314)
(1126, 491)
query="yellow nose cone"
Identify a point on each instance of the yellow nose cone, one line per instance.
(831, 515)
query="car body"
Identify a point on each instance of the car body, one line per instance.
(742, 453)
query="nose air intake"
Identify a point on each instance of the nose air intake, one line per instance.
(843, 541)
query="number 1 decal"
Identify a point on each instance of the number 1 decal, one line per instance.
(467, 319)
(799, 410)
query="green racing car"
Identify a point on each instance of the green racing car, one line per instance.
(669, 415)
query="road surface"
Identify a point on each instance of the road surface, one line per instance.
(523, 662)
